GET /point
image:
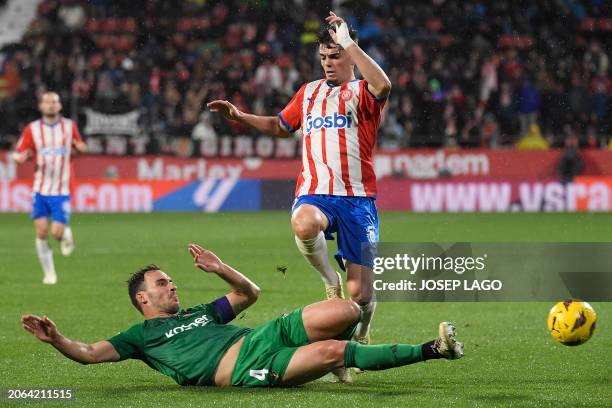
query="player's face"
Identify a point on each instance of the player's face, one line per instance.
(160, 292)
(336, 63)
(50, 105)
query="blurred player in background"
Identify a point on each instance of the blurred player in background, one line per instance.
(339, 118)
(49, 140)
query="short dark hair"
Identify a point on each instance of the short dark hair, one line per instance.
(136, 282)
(325, 38)
(46, 92)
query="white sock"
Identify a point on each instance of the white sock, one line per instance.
(45, 256)
(367, 312)
(315, 252)
(67, 235)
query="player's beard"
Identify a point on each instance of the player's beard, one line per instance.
(50, 118)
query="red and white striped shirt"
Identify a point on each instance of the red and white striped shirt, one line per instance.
(51, 145)
(339, 129)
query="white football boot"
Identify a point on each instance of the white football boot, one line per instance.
(50, 278)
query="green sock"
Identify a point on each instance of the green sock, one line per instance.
(381, 356)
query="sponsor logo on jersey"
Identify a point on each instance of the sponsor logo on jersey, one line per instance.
(335, 121)
(198, 322)
(52, 151)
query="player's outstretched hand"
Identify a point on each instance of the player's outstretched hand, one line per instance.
(341, 35)
(227, 109)
(42, 328)
(204, 259)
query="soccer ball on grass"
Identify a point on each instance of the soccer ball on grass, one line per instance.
(571, 322)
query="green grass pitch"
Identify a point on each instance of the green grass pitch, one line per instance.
(510, 358)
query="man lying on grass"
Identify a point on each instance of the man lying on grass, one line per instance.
(197, 347)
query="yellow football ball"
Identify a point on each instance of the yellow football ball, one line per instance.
(571, 322)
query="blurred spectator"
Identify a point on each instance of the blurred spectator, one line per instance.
(571, 162)
(533, 139)
(528, 105)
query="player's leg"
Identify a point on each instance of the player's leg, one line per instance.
(330, 319)
(315, 360)
(359, 283)
(57, 230)
(40, 211)
(357, 241)
(44, 251)
(60, 217)
(308, 223)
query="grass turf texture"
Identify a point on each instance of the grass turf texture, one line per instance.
(510, 358)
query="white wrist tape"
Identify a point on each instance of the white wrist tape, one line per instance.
(343, 38)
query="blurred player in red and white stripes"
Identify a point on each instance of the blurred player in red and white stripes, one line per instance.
(49, 140)
(339, 118)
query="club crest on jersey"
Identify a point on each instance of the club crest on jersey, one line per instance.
(335, 121)
(346, 95)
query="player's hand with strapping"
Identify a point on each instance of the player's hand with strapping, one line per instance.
(225, 108)
(341, 36)
(204, 259)
(42, 328)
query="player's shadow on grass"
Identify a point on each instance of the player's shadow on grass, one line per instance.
(497, 399)
(380, 389)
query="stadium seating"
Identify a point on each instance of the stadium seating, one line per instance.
(438, 97)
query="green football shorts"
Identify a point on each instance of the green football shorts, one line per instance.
(267, 350)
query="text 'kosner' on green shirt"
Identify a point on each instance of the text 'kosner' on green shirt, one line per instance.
(186, 347)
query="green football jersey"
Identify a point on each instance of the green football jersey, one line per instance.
(186, 347)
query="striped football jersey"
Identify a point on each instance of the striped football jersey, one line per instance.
(52, 146)
(339, 128)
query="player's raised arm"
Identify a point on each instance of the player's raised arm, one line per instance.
(46, 331)
(269, 125)
(244, 292)
(378, 81)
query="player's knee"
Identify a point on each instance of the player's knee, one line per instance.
(305, 228)
(57, 232)
(332, 352)
(42, 232)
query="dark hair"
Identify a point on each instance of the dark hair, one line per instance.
(324, 37)
(48, 91)
(136, 283)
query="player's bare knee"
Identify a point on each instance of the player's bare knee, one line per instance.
(305, 228)
(42, 233)
(57, 233)
(332, 352)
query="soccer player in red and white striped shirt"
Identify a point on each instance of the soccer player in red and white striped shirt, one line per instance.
(339, 118)
(50, 140)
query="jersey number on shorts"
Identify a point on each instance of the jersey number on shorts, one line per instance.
(259, 374)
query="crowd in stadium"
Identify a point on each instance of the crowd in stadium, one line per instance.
(468, 73)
